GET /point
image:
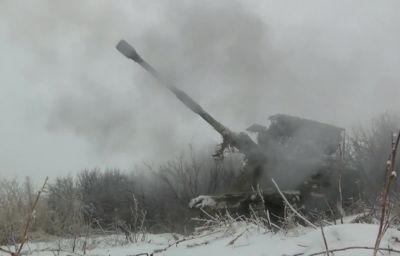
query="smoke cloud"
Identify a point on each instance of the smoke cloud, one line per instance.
(242, 60)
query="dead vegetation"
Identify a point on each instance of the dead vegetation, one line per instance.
(390, 176)
(25, 228)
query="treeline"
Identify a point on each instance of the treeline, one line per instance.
(151, 199)
(155, 198)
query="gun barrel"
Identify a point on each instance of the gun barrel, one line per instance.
(128, 51)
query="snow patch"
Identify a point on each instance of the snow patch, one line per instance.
(245, 239)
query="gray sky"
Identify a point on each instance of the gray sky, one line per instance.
(69, 100)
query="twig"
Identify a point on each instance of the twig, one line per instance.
(266, 212)
(58, 251)
(27, 225)
(390, 175)
(236, 238)
(291, 207)
(183, 240)
(342, 150)
(85, 241)
(6, 251)
(350, 248)
(330, 209)
(29, 220)
(325, 243)
(197, 244)
(209, 215)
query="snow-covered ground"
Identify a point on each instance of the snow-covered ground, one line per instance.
(238, 239)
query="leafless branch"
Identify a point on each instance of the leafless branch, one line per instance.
(236, 238)
(291, 207)
(325, 243)
(29, 220)
(350, 248)
(6, 251)
(390, 175)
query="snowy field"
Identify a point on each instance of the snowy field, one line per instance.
(238, 239)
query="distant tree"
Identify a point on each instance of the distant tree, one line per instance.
(370, 147)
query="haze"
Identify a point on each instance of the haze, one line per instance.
(69, 100)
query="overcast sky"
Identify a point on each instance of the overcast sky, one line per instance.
(69, 100)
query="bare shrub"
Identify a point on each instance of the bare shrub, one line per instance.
(26, 224)
(16, 201)
(66, 208)
(107, 195)
(13, 208)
